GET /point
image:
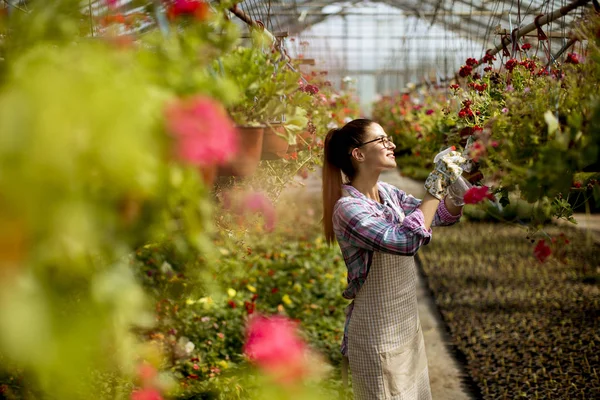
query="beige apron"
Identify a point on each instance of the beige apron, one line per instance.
(386, 351)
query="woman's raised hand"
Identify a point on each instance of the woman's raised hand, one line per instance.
(446, 171)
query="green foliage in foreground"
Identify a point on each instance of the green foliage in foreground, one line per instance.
(527, 329)
(296, 275)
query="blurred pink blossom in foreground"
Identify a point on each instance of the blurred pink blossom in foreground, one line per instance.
(273, 344)
(258, 202)
(146, 394)
(204, 134)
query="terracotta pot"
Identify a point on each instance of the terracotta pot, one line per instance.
(274, 146)
(250, 139)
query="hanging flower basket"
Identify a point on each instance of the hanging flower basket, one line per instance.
(250, 139)
(274, 146)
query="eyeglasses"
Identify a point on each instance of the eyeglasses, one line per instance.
(385, 141)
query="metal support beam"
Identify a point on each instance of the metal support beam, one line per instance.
(546, 19)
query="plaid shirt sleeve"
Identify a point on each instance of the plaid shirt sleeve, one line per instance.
(409, 204)
(362, 227)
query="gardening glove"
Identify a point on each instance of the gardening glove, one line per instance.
(446, 171)
(457, 190)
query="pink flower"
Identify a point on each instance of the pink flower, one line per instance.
(477, 194)
(146, 394)
(204, 134)
(478, 150)
(274, 346)
(429, 112)
(542, 251)
(112, 3)
(196, 366)
(146, 373)
(258, 202)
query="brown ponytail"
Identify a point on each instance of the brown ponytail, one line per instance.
(337, 159)
(332, 188)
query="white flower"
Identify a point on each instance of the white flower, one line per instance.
(331, 125)
(189, 347)
(166, 268)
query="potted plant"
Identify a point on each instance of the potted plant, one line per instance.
(249, 70)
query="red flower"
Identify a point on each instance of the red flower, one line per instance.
(466, 112)
(511, 64)
(429, 112)
(254, 297)
(488, 69)
(465, 71)
(577, 184)
(274, 346)
(480, 87)
(203, 133)
(250, 307)
(526, 46)
(487, 58)
(146, 394)
(543, 71)
(195, 8)
(274, 290)
(542, 251)
(455, 86)
(476, 76)
(312, 89)
(572, 58)
(231, 304)
(477, 194)
(471, 62)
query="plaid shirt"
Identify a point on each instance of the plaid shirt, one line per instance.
(362, 226)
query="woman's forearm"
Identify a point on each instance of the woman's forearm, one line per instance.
(452, 209)
(428, 207)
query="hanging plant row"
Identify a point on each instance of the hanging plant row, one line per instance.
(534, 128)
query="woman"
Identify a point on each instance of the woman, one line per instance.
(379, 228)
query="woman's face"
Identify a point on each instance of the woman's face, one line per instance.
(376, 151)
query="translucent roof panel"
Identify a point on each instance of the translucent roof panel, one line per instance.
(387, 45)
